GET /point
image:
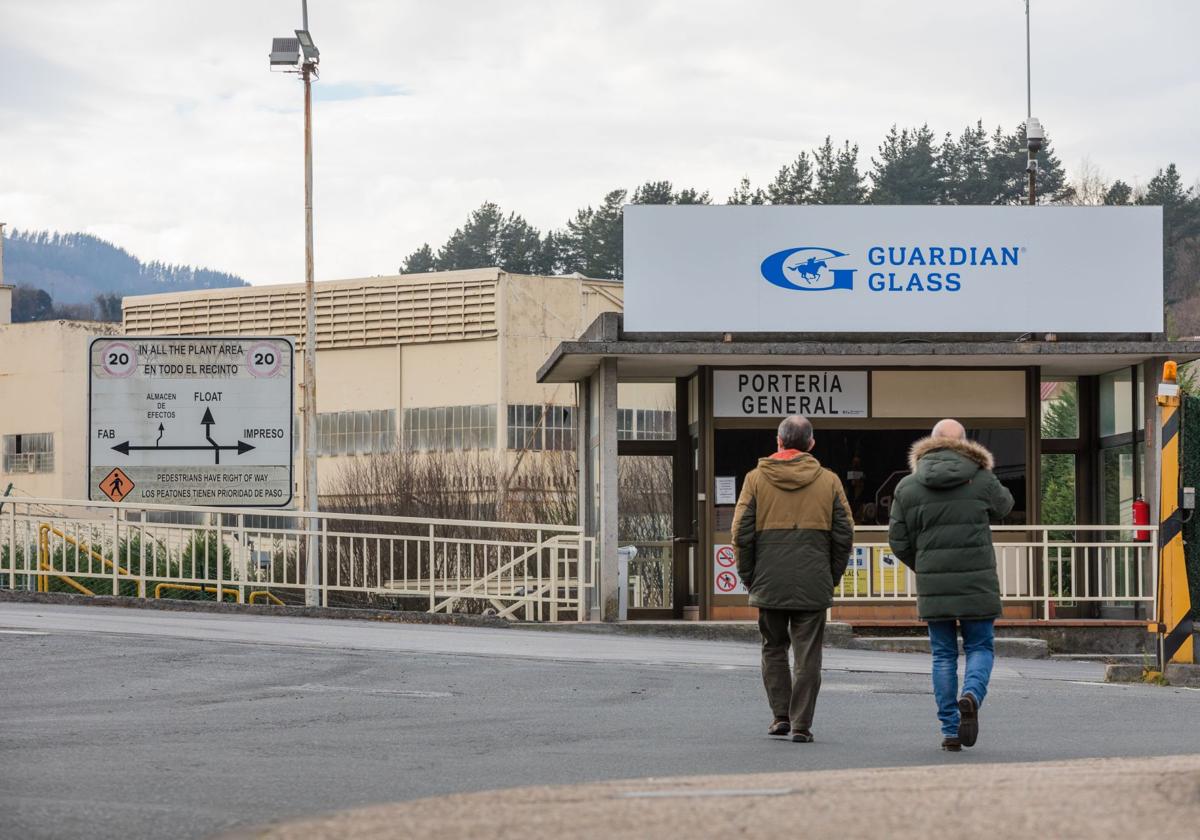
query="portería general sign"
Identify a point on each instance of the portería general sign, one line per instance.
(778, 393)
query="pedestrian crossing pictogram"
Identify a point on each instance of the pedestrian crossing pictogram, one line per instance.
(116, 485)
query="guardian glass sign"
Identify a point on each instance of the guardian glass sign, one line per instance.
(893, 269)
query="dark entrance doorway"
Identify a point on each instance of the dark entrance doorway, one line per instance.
(870, 462)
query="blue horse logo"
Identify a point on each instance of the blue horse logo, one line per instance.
(802, 269)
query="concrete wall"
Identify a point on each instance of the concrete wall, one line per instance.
(44, 388)
(946, 393)
(459, 373)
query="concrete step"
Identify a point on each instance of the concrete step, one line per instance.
(837, 633)
(1005, 646)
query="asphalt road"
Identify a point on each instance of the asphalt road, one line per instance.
(129, 723)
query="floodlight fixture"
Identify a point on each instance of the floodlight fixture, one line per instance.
(311, 54)
(285, 52)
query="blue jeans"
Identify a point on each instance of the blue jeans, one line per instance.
(978, 638)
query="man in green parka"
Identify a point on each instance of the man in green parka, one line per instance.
(792, 535)
(941, 529)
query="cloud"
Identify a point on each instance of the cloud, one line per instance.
(346, 91)
(159, 125)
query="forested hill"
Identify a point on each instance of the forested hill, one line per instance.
(74, 269)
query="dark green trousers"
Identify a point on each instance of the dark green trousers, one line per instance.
(792, 696)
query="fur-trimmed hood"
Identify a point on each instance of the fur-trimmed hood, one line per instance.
(966, 448)
(947, 462)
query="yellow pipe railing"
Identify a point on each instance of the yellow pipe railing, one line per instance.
(191, 587)
(266, 595)
(44, 533)
(44, 563)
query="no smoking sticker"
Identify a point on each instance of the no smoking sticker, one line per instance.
(726, 580)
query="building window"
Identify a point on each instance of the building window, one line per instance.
(541, 427)
(654, 424)
(560, 427)
(625, 424)
(356, 432)
(525, 427)
(29, 453)
(452, 427)
(645, 424)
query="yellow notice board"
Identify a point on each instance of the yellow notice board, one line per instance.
(878, 567)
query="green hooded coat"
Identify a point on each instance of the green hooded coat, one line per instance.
(792, 533)
(940, 528)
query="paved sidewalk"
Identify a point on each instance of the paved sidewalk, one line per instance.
(1093, 798)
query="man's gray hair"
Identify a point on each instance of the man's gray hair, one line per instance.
(796, 432)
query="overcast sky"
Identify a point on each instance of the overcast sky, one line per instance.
(156, 124)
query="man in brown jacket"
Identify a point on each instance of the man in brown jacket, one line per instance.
(792, 533)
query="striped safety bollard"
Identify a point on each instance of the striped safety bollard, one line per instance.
(1174, 626)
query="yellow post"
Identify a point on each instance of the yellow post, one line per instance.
(1174, 602)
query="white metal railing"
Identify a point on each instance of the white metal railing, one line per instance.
(515, 570)
(1037, 564)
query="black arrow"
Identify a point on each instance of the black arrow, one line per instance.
(125, 448)
(160, 434)
(207, 421)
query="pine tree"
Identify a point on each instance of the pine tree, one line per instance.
(1118, 194)
(838, 178)
(592, 243)
(1181, 232)
(691, 196)
(744, 194)
(518, 246)
(476, 243)
(419, 261)
(793, 183)
(906, 170)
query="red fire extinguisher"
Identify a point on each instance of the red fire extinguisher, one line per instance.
(1141, 516)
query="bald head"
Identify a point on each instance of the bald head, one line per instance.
(949, 429)
(795, 432)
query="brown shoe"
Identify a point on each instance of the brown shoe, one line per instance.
(951, 744)
(802, 736)
(780, 727)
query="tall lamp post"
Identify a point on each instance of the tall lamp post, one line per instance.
(1035, 135)
(301, 55)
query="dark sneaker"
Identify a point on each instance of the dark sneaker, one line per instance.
(780, 727)
(950, 744)
(968, 723)
(802, 736)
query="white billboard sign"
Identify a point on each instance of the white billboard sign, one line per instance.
(191, 421)
(778, 393)
(789, 269)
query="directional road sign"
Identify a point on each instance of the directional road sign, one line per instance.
(191, 421)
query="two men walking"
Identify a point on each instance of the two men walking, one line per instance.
(793, 534)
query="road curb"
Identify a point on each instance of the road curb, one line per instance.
(1124, 672)
(1007, 646)
(837, 634)
(170, 605)
(1187, 676)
